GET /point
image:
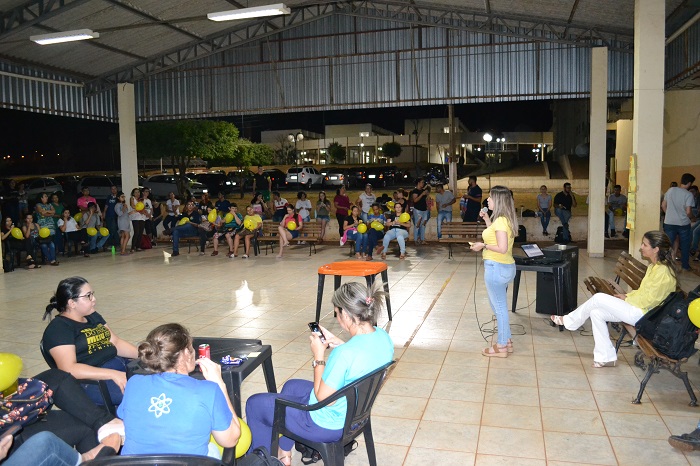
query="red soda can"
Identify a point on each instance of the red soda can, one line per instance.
(204, 351)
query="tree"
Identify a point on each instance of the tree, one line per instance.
(184, 140)
(391, 149)
(336, 152)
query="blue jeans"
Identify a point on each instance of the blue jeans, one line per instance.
(185, 231)
(497, 276)
(44, 449)
(48, 250)
(696, 237)
(564, 215)
(95, 244)
(545, 217)
(112, 225)
(419, 217)
(610, 221)
(373, 237)
(399, 235)
(364, 216)
(169, 222)
(259, 410)
(683, 233)
(443, 216)
(360, 240)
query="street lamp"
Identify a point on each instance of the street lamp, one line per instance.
(295, 138)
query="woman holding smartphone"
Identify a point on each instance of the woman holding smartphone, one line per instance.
(499, 265)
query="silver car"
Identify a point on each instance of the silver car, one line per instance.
(306, 176)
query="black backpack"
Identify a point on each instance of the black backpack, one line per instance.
(668, 327)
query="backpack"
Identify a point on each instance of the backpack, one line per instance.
(528, 213)
(559, 236)
(522, 234)
(146, 242)
(668, 327)
(259, 457)
(31, 400)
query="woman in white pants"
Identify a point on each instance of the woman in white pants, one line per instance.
(660, 280)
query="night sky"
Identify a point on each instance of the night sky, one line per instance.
(86, 144)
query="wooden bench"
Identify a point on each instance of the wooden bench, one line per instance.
(309, 233)
(627, 269)
(460, 233)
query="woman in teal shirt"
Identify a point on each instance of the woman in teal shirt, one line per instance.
(369, 348)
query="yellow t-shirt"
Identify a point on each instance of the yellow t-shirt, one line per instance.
(658, 282)
(489, 237)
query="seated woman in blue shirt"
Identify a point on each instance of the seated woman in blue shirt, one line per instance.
(169, 412)
(369, 348)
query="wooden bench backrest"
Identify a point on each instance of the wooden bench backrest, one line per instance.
(309, 229)
(463, 229)
(630, 270)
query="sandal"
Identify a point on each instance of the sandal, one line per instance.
(215, 253)
(402, 256)
(557, 320)
(598, 365)
(495, 352)
(509, 346)
(383, 256)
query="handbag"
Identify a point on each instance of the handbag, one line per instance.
(26, 405)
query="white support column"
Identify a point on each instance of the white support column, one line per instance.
(126, 107)
(647, 142)
(596, 161)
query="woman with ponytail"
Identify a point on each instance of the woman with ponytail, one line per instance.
(368, 349)
(81, 343)
(169, 412)
(660, 281)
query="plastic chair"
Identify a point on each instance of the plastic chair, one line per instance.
(101, 384)
(360, 396)
(159, 460)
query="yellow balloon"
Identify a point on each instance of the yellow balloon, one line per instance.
(212, 216)
(16, 233)
(139, 206)
(404, 217)
(78, 217)
(228, 218)
(104, 231)
(44, 232)
(183, 221)
(292, 225)
(91, 231)
(249, 224)
(10, 368)
(377, 225)
(694, 312)
(362, 228)
(390, 205)
(619, 212)
(244, 440)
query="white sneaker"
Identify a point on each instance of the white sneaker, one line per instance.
(244, 256)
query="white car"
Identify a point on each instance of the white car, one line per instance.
(35, 187)
(162, 185)
(306, 176)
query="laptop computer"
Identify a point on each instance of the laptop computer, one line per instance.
(534, 255)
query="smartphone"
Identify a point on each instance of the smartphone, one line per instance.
(11, 431)
(316, 329)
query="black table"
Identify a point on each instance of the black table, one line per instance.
(562, 283)
(234, 375)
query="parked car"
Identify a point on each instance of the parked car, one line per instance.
(215, 182)
(305, 176)
(357, 176)
(241, 177)
(379, 176)
(100, 186)
(335, 177)
(69, 183)
(277, 176)
(162, 185)
(36, 186)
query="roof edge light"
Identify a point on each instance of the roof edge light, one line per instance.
(252, 12)
(65, 36)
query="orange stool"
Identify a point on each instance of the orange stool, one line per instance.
(369, 270)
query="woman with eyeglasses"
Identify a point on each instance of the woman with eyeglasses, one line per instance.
(81, 343)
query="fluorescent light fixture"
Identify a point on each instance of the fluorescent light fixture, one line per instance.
(66, 36)
(252, 12)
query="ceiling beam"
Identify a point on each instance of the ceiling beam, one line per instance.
(33, 12)
(411, 13)
(155, 19)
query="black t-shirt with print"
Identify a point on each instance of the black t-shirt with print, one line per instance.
(91, 339)
(420, 204)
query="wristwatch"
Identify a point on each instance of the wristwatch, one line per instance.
(319, 362)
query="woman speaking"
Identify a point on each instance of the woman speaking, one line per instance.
(499, 266)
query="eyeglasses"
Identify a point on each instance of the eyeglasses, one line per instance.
(90, 296)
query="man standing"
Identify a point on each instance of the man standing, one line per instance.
(677, 204)
(616, 201)
(109, 217)
(365, 201)
(420, 211)
(262, 183)
(563, 203)
(85, 200)
(444, 200)
(470, 205)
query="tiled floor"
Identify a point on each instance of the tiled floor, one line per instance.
(443, 403)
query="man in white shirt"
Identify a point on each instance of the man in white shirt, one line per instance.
(678, 203)
(280, 205)
(365, 201)
(444, 200)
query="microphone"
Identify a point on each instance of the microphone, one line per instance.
(483, 210)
